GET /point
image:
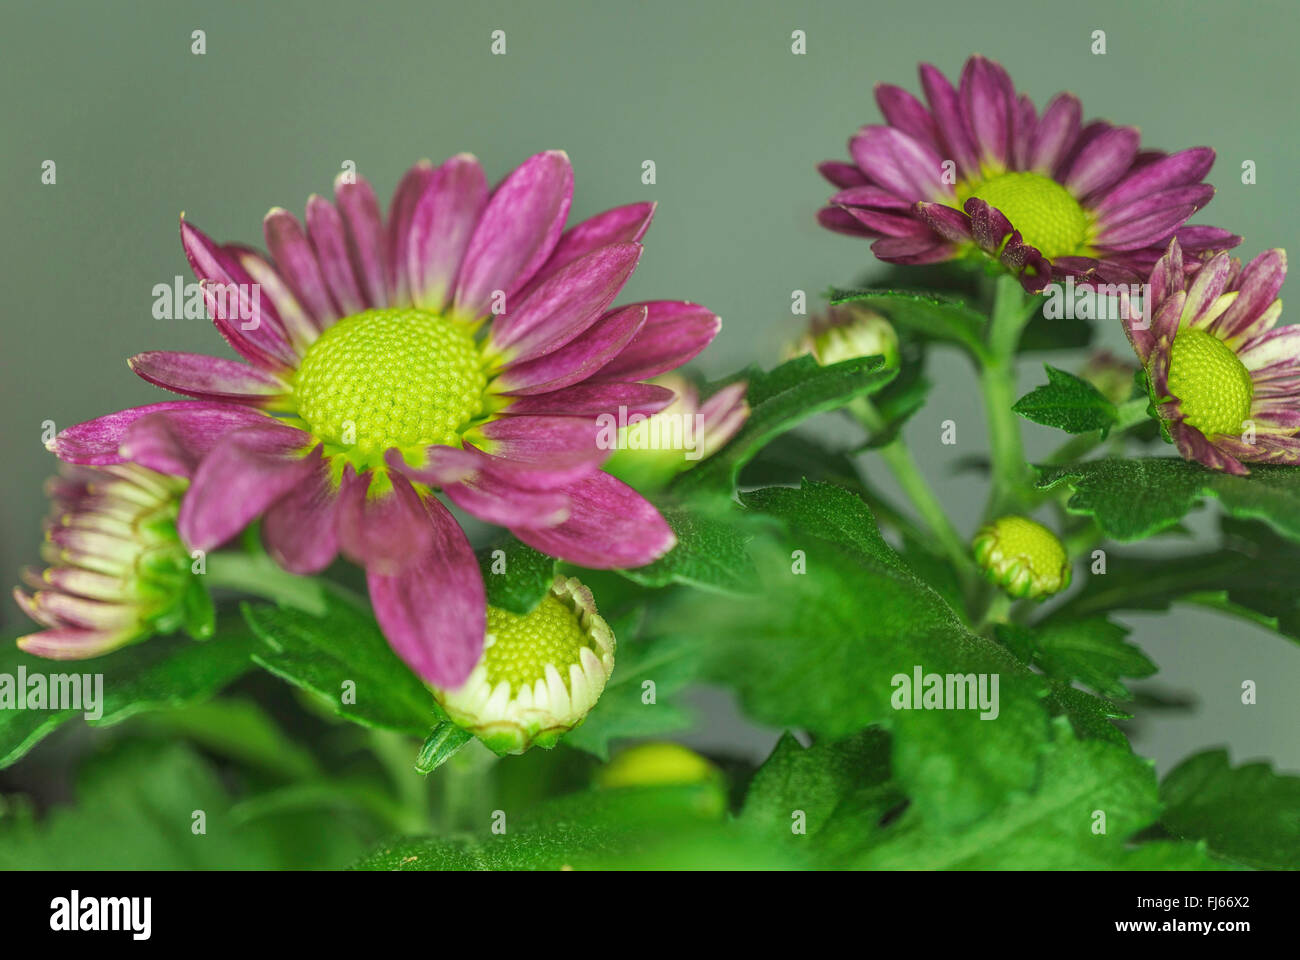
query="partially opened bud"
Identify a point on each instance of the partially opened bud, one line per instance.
(1023, 557)
(540, 674)
(118, 570)
(652, 451)
(845, 332)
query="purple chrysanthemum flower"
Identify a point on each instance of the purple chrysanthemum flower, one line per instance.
(466, 344)
(1224, 382)
(980, 172)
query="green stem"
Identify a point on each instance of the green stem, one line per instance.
(908, 475)
(258, 575)
(998, 383)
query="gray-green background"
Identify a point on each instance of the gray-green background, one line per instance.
(141, 129)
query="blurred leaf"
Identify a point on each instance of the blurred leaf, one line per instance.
(1067, 403)
(239, 730)
(159, 673)
(669, 663)
(515, 575)
(779, 400)
(136, 809)
(1133, 499)
(1089, 716)
(629, 826)
(343, 652)
(935, 318)
(1247, 814)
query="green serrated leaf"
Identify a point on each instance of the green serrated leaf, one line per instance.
(1052, 827)
(1092, 650)
(1248, 814)
(1089, 716)
(936, 318)
(834, 624)
(710, 553)
(1133, 499)
(780, 400)
(159, 673)
(515, 576)
(343, 659)
(1067, 403)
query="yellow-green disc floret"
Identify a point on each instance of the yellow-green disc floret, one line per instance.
(1023, 557)
(390, 378)
(1213, 386)
(1044, 212)
(522, 646)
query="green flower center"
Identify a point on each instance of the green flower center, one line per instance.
(390, 378)
(1044, 212)
(1212, 384)
(520, 647)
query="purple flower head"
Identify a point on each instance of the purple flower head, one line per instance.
(978, 172)
(1225, 383)
(465, 344)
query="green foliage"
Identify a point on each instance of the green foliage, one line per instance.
(1133, 499)
(710, 553)
(779, 400)
(1248, 814)
(622, 712)
(837, 619)
(515, 576)
(343, 660)
(1068, 403)
(934, 318)
(135, 809)
(164, 672)
(1092, 651)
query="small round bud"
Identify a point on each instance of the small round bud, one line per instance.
(1112, 376)
(540, 673)
(1023, 557)
(846, 332)
(656, 764)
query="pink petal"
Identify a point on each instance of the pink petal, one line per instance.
(592, 399)
(382, 533)
(244, 473)
(675, 331)
(842, 175)
(208, 378)
(325, 229)
(434, 613)
(1103, 161)
(401, 213)
(517, 232)
(566, 303)
(300, 530)
(1055, 133)
(621, 225)
(198, 425)
(945, 105)
(576, 360)
(441, 226)
(988, 100)
(610, 526)
(296, 261)
(365, 237)
(902, 110)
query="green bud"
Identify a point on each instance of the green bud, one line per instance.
(1023, 557)
(846, 332)
(540, 673)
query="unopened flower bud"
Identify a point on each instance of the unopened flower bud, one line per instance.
(118, 569)
(1112, 377)
(1023, 557)
(846, 332)
(656, 764)
(540, 673)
